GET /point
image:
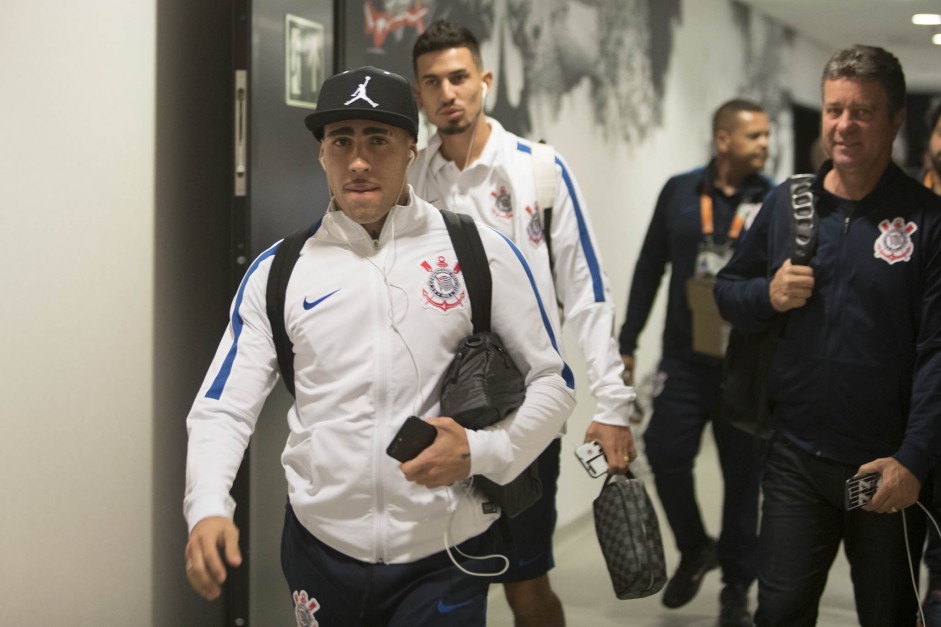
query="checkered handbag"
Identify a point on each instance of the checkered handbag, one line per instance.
(629, 535)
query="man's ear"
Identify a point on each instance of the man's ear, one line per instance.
(487, 78)
(721, 140)
(898, 120)
(417, 95)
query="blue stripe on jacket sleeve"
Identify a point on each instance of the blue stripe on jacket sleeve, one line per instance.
(594, 268)
(566, 371)
(215, 390)
(590, 257)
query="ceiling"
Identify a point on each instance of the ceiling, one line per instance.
(836, 24)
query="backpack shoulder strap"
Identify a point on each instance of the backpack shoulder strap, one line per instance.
(281, 267)
(547, 187)
(544, 172)
(475, 269)
(803, 218)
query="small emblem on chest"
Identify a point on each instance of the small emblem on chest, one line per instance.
(503, 204)
(534, 228)
(444, 289)
(895, 244)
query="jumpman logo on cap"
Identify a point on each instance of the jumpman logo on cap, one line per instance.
(360, 94)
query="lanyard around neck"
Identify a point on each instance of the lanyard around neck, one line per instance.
(706, 218)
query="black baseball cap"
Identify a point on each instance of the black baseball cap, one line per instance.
(366, 93)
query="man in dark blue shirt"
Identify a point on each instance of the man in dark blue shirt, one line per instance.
(698, 218)
(855, 379)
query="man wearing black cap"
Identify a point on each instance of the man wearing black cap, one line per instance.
(375, 307)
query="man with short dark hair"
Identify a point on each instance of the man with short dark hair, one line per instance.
(699, 217)
(473, 165)
(855, 379)
(368, 540)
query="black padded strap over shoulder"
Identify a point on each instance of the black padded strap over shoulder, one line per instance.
(475, 269)
(281, 267)
(803, 218)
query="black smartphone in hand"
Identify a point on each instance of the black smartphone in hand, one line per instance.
(414, 437)
(859, 489)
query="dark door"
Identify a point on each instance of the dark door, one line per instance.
(283, 50)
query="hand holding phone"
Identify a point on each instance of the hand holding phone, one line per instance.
(592, 458)
(413, 437)
(859, 489)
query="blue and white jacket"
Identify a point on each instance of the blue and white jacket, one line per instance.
(499, 190)
(374, 327)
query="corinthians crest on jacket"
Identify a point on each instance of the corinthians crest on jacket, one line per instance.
(502, 203)
(534, 228)
(444, 289)
(895, 242)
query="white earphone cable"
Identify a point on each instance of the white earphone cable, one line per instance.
(480, 114)
(911, 567)
(447, 544)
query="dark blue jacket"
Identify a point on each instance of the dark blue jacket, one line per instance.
(857, 373)
(673, 238)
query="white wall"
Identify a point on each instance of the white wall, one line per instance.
(76, 244)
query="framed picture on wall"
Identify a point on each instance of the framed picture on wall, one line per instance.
(305, 61)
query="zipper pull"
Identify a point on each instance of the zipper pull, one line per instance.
(846, 225)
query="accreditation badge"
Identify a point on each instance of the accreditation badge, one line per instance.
(747, 211)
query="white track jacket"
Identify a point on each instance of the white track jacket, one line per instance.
(374, 326)
(499, 190)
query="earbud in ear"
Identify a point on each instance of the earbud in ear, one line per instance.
(322, 164)
(484, 90)
(411, 159)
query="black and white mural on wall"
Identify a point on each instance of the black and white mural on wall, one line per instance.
(543, 51)
(621, 48)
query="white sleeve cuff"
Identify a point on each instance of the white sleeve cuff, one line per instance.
(490, 451)
(206, 507)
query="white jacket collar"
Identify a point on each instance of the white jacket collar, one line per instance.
(400, 219)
